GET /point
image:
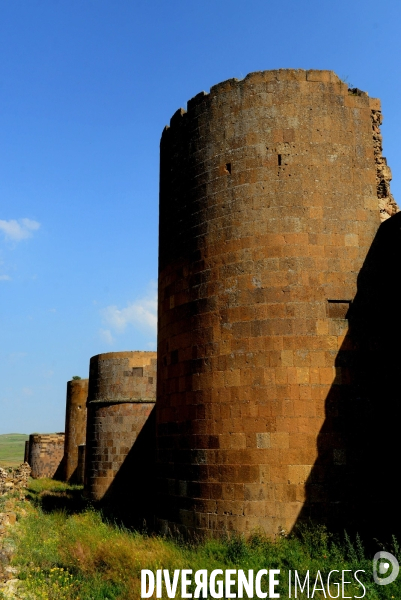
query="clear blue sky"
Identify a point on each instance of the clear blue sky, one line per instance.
(86, 87)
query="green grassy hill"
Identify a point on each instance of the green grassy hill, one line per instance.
(12, 447)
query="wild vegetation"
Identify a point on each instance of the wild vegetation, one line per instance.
(67, 550)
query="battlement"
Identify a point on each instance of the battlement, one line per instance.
(266, 82)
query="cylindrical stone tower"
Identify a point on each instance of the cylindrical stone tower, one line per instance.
(120, 443)
(75, 425)
(46, 451)
(269, 202)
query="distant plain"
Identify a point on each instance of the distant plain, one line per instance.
(12, 447)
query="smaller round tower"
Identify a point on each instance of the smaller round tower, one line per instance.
(75, 425)
(120, 441)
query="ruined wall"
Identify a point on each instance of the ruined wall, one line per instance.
(46, 451)
(75, 425)
(269, 201)
(387, 205)
(120, 442)
(13, 479)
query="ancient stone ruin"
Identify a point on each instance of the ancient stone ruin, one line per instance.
(273, 356)
(12, 479)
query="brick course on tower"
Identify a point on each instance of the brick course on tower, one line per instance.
(270, 196)
(75, 425)
(120, 442)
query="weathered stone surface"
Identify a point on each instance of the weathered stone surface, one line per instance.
(8, 518)
(11, 479)
(387, 205)
(11, 510)
(9, 589)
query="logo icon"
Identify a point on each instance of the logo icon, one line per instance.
(381, 565)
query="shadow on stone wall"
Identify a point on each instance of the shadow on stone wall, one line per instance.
(130, 498)
(353, 484)
(59, 474)
(73, 480)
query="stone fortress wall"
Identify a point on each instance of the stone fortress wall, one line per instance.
(81, 464)
(272, 190)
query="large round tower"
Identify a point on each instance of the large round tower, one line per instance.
(269, 201)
